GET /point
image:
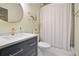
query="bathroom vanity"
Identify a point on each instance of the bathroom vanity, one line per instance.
(18, 45)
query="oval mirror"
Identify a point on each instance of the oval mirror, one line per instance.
(11, 12)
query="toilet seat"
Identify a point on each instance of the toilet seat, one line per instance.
(43, 44)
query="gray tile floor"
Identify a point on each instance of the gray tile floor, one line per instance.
(54, 52)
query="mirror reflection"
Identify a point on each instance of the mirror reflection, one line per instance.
(11, 12)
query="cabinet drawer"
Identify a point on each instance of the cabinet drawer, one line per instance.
(28, 52)
(10, 50)
(28, 44)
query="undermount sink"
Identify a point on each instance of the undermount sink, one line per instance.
(12, 36)
(16, 36)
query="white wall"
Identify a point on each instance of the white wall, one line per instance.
(31, 9)
(77, 29)
(26, 23)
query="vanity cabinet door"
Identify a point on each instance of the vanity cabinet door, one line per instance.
(30, 47)
(25, 48)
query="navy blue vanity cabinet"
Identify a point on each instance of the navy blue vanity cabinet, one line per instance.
(24, 48)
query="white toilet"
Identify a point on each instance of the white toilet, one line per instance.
(43, 48)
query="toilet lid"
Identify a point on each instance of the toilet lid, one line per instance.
(43, 44)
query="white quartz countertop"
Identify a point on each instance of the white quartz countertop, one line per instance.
(7, 40)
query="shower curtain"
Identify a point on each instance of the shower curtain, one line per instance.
(55, 24)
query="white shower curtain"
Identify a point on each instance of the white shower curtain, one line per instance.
(55, 25)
